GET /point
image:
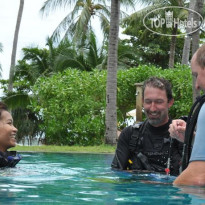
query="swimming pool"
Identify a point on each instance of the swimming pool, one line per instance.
(50, 178)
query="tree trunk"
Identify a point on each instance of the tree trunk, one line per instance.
(186, 50)
(1, 49)
(172, 47)
(15, 41)
(195, 35)
(111, 87)
(195, 43)
(187, 41)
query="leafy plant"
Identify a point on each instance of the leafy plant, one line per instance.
(72, 103)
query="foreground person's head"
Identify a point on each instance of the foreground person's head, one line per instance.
(198, 68)
(7, 129)
(157, 99)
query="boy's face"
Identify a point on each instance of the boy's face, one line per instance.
(7, 132)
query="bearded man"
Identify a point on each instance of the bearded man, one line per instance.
(148, 145)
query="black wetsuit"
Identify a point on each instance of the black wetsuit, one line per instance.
(9, 159)
(154, 147)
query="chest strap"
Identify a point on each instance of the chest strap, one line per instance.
(135, 138)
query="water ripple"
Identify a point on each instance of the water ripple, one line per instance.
(85, 179)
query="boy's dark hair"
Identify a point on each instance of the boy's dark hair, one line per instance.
(3, 107)
(159, 83)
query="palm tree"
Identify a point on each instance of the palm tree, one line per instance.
(84, 57)
(111, 87)
(44, 62)
(77, 23)
(193, 39)
(187, 40)
(180, 3)
(1, 49)
(65, 55)
(126, 55)
(15, 41)
(156, 4)
(196, 35)
(35, 62)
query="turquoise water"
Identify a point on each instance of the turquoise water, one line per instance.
(42, 178)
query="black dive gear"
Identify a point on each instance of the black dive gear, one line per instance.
(189, 132)
(144, 147)
(9, 159)
(144, 161)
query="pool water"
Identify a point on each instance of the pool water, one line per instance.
(50, 178)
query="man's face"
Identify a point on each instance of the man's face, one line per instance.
(198, 73)
(156, 106)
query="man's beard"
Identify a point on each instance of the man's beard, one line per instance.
(156, 121)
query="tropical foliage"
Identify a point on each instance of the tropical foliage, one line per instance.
(72, 107)
(150, 51)
(77, 24)
(146, 43)
(72, 104)
(82, 19)
(60, 91)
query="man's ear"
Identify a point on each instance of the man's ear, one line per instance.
(171, 102)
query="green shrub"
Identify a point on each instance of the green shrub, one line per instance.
(180, 77)
(72, 103)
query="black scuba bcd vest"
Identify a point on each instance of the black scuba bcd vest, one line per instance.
(9, 159)
(190, 127)
(142, 160)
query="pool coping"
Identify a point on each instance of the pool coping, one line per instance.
(66, 152)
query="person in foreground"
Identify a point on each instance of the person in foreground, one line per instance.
(7, 139)
(194, 174)
(147, 145)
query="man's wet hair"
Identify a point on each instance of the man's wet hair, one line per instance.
(200, 56)
(3, 107)
(159, 83)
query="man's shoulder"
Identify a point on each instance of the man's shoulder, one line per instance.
(128, 131)
(136, 125)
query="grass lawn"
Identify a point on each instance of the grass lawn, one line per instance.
(77, 149)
